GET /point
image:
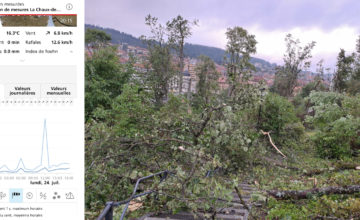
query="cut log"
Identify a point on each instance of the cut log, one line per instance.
(305, 194)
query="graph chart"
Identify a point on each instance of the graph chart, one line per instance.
(45, 163)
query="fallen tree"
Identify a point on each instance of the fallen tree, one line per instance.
(337, 167)
(305, 194)
(266, 161)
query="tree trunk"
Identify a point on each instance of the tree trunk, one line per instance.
(189, 89)
(181, 66)
(338, 167)
(305, 194)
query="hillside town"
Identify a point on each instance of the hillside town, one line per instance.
(262, 74)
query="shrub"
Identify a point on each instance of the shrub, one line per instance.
(277, 115)
(339, 139)
(276, 112)
(291, 135)
(352, 105)
(327, 107)
(336, 117)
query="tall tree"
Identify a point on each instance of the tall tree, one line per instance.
(178, 30)
(160, 69)
(319, 79)
(208, 76)
(239, 47)
(356, 72)
(343, 71)
(296, 59)
(320, 70)
(354, 82)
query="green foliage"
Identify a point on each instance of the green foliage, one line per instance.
(160, 69)
(332, 206)
(128, 111)
(137, 139)
(178, 30)
(353, 86)
(104, 79)
(327, 107)
(316, 85)
(351, 105)
(343, 72)
(292, 135)
(347, 75)
(272, 177)
(337, 118)
(110, 163)
(300, 101)
(96, 38)
(135, 128)
(130, 136)
(276, 113)
(296, 59)
(207, 85)
(336, 140)
(159, 72)
(239, 47)
(104, 179)
(286, 211)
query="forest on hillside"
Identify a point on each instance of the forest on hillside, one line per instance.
(300, 151)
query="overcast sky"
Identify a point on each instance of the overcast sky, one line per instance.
(333, 24)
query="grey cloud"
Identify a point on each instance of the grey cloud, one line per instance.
(268, 14)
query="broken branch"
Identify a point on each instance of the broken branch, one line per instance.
(272, 143)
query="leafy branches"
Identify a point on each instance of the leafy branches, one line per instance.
(104, 80)
(296, 59)
(207, 85)
(160, 69)
(239, 47)
(336, 117)
(178, 30)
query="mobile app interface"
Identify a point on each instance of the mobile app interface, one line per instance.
(41, 109)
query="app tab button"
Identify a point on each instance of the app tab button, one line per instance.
(3, 196)
(15, 195)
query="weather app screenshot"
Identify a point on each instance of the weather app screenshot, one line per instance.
(41, 109)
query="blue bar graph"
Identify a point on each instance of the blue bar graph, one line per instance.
(44, 163)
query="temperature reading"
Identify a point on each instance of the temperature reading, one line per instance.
(12, 33)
